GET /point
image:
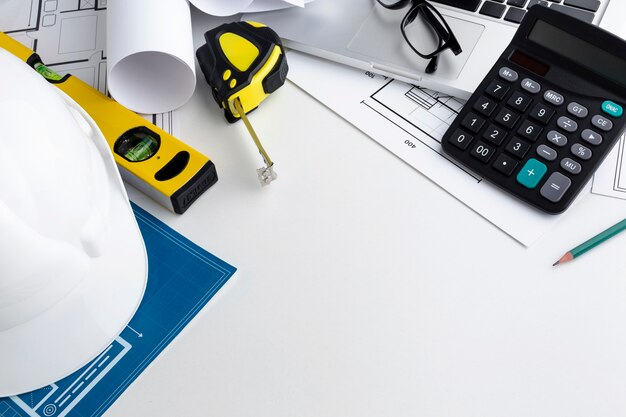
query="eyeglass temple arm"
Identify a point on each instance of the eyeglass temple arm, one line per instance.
(443, 32)
(397, 5)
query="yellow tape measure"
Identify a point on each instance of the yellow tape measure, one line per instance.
(152, 160)
(244, 62)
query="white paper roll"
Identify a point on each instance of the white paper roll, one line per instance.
(150, 55)
(231, 7)
(222, 7)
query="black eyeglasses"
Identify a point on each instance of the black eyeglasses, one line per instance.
(440, 34)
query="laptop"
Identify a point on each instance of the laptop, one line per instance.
(363, 34)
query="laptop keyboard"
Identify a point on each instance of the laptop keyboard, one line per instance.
(514, 10)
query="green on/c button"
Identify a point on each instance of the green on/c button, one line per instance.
(612, 109)
(531, 173)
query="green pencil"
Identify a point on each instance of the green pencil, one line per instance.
(592, 243)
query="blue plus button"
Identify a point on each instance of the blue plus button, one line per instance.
(531, 173)
(612, 109)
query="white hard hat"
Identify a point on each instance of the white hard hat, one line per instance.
(73, 265)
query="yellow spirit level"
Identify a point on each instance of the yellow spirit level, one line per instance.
(244, 62)
(152, 160)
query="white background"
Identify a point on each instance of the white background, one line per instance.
(363, 289)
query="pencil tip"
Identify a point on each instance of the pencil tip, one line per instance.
(565, 258)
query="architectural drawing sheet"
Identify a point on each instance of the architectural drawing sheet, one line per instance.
(182, 278)
(70, 37)
(410, 122)
(610, 179)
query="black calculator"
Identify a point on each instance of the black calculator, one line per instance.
(547, 113)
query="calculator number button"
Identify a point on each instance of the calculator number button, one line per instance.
(505, 164)
(519, 102)
(567, 124)
(495, 134)
(533, 87)
(473, 123)
(529, 130)
(557, 138)
(508, 74)
(571, 166)
(482, 152)
(541, 113)
(532, 173)
(555, 187)
(546, 152)
(485, 106)
(553, 97)
(460, 139)
(602, 123)
(497, 89)
(507, 118)
(581, 151)
(577, 110)
(591, 137)
(517, 148)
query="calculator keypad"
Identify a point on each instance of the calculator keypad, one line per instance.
(557, 138)
(582, 152)
(507, 118)
(518, 148)
(473, 123)
(577, 110)
(532, 173)
(505, 164)
(482, 151)
(485, 106)
(553, 97)
(495, 134)
(533, 87)
(497, 89)
(591, 137)
(532, 137)
(602, 123)
(542, 113)
(556, 186)
(571, 166)
(547, 152)
(529, 130)
(508, 74)
(519, 102)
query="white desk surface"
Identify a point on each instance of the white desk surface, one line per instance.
(365, 290)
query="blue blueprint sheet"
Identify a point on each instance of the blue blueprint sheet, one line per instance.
(182, 279)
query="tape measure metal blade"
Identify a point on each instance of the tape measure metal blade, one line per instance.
(244, 62)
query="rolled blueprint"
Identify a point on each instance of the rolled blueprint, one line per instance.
(231, 7)
(150, 55)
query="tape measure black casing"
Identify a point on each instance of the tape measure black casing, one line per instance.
(214, 63)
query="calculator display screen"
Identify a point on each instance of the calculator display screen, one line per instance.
(580, 51)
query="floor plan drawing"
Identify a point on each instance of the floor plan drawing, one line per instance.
(70, 37)
(423, 113)
(620, 172)
(610, 179)
(436, 110)
(428, 110)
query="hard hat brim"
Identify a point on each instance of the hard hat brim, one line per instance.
(89, 318)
